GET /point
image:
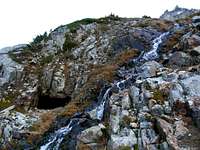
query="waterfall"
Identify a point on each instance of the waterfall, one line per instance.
(100, 108)
(57, 137)
(152, 54)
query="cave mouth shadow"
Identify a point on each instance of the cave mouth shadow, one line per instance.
(47, 102)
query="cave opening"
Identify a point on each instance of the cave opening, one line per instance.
(47, 102)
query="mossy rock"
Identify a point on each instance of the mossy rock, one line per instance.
(75, 25)
(4, 103)
(69, 43)
(47, 59)
(7, 100)
(124, 148)
(126, 120)
(159, 96)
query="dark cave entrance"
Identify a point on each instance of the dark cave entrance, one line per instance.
(47, 102)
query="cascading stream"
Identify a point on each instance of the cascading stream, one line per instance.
(57, 137)
(153, 54)
(55, 140)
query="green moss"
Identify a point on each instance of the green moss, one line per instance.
(126, 121)
(150, 118)
(47, 59)
(143, 24)
(14, 57)
(4, 103)
(159, 96)
(69, 43)
(75, 25)
(108, 19)
(103, 27)
(7, 100)
(124, 148)
(136, 147)
(106, 132)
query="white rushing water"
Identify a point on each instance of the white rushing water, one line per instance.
(100, 108)
(58, 136)
(152, 54)
(55, 140)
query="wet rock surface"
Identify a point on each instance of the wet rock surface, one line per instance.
(109, 83)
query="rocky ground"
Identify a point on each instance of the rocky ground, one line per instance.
(108, 83)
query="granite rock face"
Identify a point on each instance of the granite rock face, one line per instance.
(10, 70)
(178, 13)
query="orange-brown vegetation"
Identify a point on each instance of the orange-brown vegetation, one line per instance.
(105, 73)
(159, 95)
(161, 25)
(40, 127)
(173, 40)
(82, 146)
(74, 106)
(124, 56)
(44, 123)
(97, 77)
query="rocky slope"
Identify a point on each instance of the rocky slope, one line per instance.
(108, 83)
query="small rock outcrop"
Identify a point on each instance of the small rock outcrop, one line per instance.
(178, 13)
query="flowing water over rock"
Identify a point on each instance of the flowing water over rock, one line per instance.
(101, 107)
(153, 54)
(56, 138)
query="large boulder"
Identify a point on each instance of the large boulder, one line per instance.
(194, 106)
(196, 21)
(189, 41)
(176, 93)
(137, 39)
(180, 59)
(134, 93)
(191, 85)
(166, 130)
(180, 129)
(127, 138)
(149, 69)
(195, 51)
(14, 123)
(148, 137)
(115, 118)
(92, 134)
(126, 103)
(10, 70)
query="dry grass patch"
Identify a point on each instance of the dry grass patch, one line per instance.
(173, 40)
(73, 107)
(125, 56)
(39, 128)
(44, 123)
(98, 76)
(161, 25)
(160, 96)
(82, 146)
